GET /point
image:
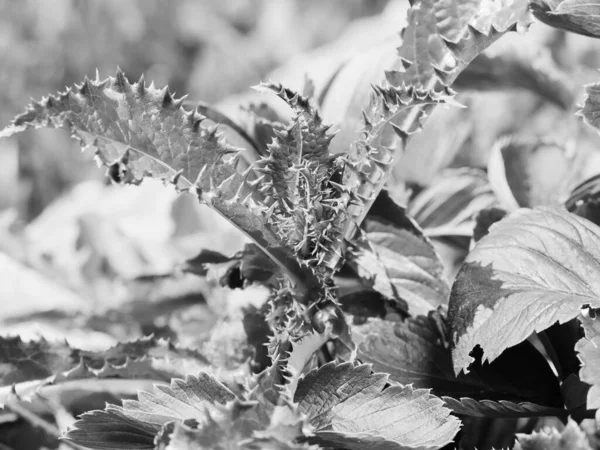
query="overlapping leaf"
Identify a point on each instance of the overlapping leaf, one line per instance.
(350, 407)
(399, 260)
(414, 352)
(534, 268)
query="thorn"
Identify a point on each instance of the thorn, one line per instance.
(201, 175)
(403, 135)
(141, 86)
(443, 75)
(120, 83)
(196, 125)
(167, 99)
(179, 102)
(212, 132)
(269, 212)
(175, 178)
(225, 184)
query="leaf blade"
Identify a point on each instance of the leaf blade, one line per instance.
(518, 280)
(346, 402)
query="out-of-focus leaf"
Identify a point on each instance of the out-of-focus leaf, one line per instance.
(399, 260)
(591, 105)
(29, 290)
(414, 352)
(452, 201)
(24, 361)
(518, 280)
(514, 66)
(349, 407)
(571, 437)
(529, 172)
(147, 357)
(247, 266)
(577, 16)
(589, 353)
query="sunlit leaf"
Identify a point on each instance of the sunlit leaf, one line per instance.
(349, 407)
(519, 279)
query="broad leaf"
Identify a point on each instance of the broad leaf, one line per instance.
(519, 279)
(589, 353)
(571, 437)
(350, 407)
(529, 173)
(415, 352)
(399, 260)
(577, 16)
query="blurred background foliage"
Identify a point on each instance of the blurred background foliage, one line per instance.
(209, 49)
(90, 261)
